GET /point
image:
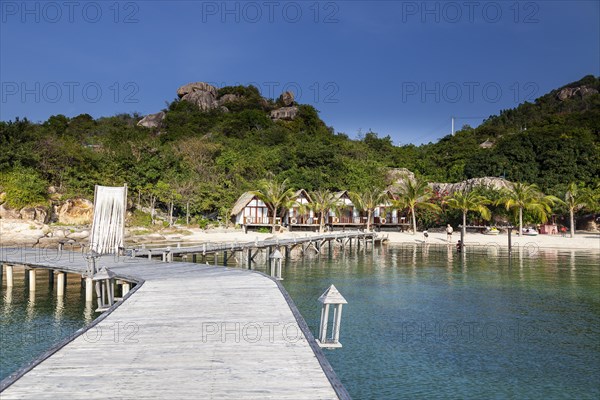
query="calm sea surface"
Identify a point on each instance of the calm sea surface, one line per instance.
(420, 323)
(424, 323)
(31, 323)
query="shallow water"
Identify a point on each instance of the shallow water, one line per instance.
(31, 323)
(430, 324)
(420, 323)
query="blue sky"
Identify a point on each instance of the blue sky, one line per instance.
(397, 68)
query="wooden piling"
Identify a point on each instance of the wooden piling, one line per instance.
(60, 283)
(9, 276)
(32, 276)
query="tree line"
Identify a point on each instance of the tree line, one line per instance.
(523, 202)
(197, 163)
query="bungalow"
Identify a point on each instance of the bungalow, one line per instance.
(250, 210)
(347, 213)
(384, 213)
(299, 214)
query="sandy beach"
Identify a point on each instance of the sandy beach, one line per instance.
(582, 240)
(30, 234)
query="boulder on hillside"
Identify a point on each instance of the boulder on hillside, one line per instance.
(287, 98)
(396, 176)
(286, 113)
(581, 91)
(201, 94)
(196, 87)
(491, 182)
(152, 120)
(76, 212)
(228, 98)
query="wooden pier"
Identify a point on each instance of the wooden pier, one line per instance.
(183, 331)
(245, 253)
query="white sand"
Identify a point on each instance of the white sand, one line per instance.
(582, 240)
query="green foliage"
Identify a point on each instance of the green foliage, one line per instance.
(23, 187)
(203, 160)
(140, 218)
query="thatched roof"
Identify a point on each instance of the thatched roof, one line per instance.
(339, 195)
(302, 193)
(242, 202)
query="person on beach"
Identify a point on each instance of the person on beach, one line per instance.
(449, 231)
(425, 235)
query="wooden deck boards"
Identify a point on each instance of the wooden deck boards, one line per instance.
(189, 331)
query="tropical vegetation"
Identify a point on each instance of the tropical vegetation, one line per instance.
(197, 163)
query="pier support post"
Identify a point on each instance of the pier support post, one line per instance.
(60, 283)
(89, 290)
(225, 258)
(9, 276)
(249, 258)
(32, 274)
(51, 278)
(125, 288)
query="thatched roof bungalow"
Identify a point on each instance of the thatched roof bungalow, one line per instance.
(250, 210)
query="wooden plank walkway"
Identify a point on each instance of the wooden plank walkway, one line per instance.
(185, 331)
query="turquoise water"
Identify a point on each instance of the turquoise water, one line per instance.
(420, 323)
(428, 324)
(32, 322)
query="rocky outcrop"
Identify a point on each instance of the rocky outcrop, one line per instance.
(285, 113)
(9, 213)
(491, 182)
(76, 212)
(152, 120)
(580, 91)
(196, 87)
(201, 94)
(228, 98)
(287, 98)
(397, 175)
(39, 214)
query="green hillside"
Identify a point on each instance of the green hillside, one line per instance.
(207, 158)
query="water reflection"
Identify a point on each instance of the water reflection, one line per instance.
(530, 326)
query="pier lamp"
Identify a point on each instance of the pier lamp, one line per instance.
(276, 269)
(105, 289)
(334, 298)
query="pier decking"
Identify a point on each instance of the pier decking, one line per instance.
(249, 250)
(185, 331)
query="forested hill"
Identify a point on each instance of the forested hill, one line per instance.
(212, 144)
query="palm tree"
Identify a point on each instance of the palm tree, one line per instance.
(527, 197)
(322, 201)
(469, 201)
(412, 194)
(275, 195)
(577, 198)
(368, 201)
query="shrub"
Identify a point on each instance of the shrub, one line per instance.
(23, 187)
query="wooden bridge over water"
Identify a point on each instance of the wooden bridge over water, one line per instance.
(190, 330)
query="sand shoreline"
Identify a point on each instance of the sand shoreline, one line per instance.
(582, 240)
(135, 237)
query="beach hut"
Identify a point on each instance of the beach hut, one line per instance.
(384, 214)
(249, 210)
(299, 214)
(347, 213)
